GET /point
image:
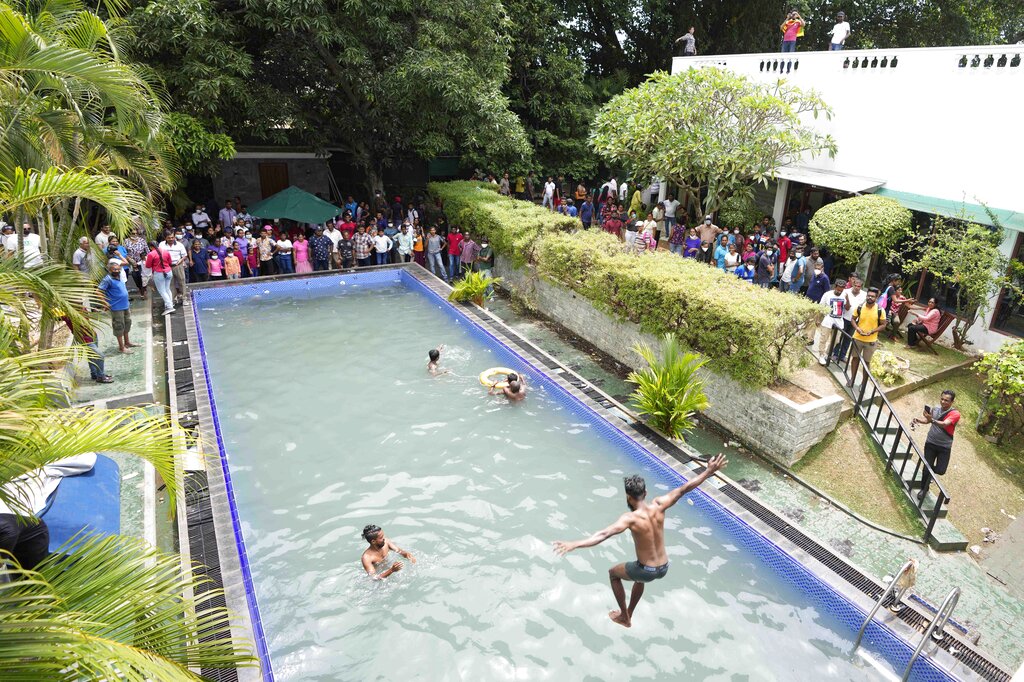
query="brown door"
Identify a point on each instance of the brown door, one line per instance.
(273, 177)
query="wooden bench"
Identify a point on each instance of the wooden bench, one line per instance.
(928, 339)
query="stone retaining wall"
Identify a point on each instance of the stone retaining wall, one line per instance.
(763, 420)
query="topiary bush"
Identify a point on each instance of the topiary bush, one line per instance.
(858, 225)
(746, 332)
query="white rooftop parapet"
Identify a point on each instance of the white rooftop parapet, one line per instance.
(939, 122)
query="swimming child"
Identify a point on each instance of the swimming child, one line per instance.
(377, 553)
(435, 357)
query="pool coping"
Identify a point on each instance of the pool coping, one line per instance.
(685, 461)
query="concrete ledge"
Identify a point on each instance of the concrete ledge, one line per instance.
(763, 420)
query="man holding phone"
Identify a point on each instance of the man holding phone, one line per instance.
(939, 443)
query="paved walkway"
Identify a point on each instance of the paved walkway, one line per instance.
(985, 607)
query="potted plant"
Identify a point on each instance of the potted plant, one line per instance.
(668, 391)
(476, 286)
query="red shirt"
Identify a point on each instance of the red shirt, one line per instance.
(785, 244)
(158, 261)
(455, 243)
(348, 229)
(953, 416)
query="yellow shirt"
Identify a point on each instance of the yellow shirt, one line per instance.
(870, 319)
(520, 185)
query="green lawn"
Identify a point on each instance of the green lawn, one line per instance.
(922, 362)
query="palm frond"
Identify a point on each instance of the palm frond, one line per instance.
(669, 391)
(111, 608)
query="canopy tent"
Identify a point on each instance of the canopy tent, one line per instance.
(851, 184)
(295, 204)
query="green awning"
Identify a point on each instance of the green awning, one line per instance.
(1011, 220)
(295, 204)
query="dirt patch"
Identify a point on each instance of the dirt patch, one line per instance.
(794, 392)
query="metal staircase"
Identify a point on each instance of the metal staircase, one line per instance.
(902, 457)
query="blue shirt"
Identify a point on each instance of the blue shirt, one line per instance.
(586, 212)
(199, 261)
(116, 292)
(745, 273)
(571, 211)
(720, 253)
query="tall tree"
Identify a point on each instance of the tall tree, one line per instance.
(379, 80)
(709, 131)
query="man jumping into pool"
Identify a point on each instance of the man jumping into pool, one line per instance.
(646, 521)
(377, 553)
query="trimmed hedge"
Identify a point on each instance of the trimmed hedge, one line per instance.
(746, 332)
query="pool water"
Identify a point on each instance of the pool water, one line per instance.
(331, 422)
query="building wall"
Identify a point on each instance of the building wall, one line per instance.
(914, 118)
(241, 175)
(763, 420)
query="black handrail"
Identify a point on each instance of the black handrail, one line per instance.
(876, 397)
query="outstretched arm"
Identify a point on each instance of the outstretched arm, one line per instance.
(713, 465)
(405, 554)
(563, 548)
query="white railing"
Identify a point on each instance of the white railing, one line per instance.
(1008, 59)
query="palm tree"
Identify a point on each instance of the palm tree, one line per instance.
(80, 127)
(669, 391)
(119, 609)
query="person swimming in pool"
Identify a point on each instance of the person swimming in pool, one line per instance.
(376, 554)
(434, 367)
(515, 389)
(646, 521)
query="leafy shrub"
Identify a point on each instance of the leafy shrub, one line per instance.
(1002, 414)
(887, 367)
(739, 210)
(513, 227)
(475, 287)
(746, 332)
(669, 391)
(854, 226)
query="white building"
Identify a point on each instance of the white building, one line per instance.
(938, 129)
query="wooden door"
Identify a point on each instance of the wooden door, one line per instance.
(273, 177)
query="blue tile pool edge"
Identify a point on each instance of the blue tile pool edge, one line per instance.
(266, 667)
(880, 637)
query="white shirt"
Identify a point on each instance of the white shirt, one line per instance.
(670, 208)
(732, 261)
(382, 243)
(176, 250)
(833, 302)
(284, 245)
(853, 301)
(787, 273)
(613, 187)
(623, 191)
(10, 242)
(33, 255)
(81, 260)
(102, 240)
(840, 32)
(334, 234)
(549, 189)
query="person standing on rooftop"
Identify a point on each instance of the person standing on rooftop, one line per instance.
(840, 32)
(689, 43)
(792, 28)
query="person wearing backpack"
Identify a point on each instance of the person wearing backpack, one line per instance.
(868, 320)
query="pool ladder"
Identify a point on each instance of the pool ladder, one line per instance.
(935, 628)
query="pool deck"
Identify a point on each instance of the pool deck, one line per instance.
(767, 514)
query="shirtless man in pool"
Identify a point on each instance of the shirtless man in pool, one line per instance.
(514, 391)
(646, 521)
(377, 553)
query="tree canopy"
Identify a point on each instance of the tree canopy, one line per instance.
(858, 225)
(709, 131)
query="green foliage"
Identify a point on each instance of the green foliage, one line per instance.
(1003, 373)
(739, 210)
(669, 392)
(513, 227)
(858, 225)
(886, 366)
(746, 332)
(709, 128)
(197, 148)
(379, 81)
(476, 286)
(966, 256)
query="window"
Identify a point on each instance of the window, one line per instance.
(1009, 315)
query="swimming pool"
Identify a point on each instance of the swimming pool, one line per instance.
(328, 421)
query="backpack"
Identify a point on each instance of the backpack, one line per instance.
(883, 300)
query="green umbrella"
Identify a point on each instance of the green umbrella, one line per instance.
(295, 204)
